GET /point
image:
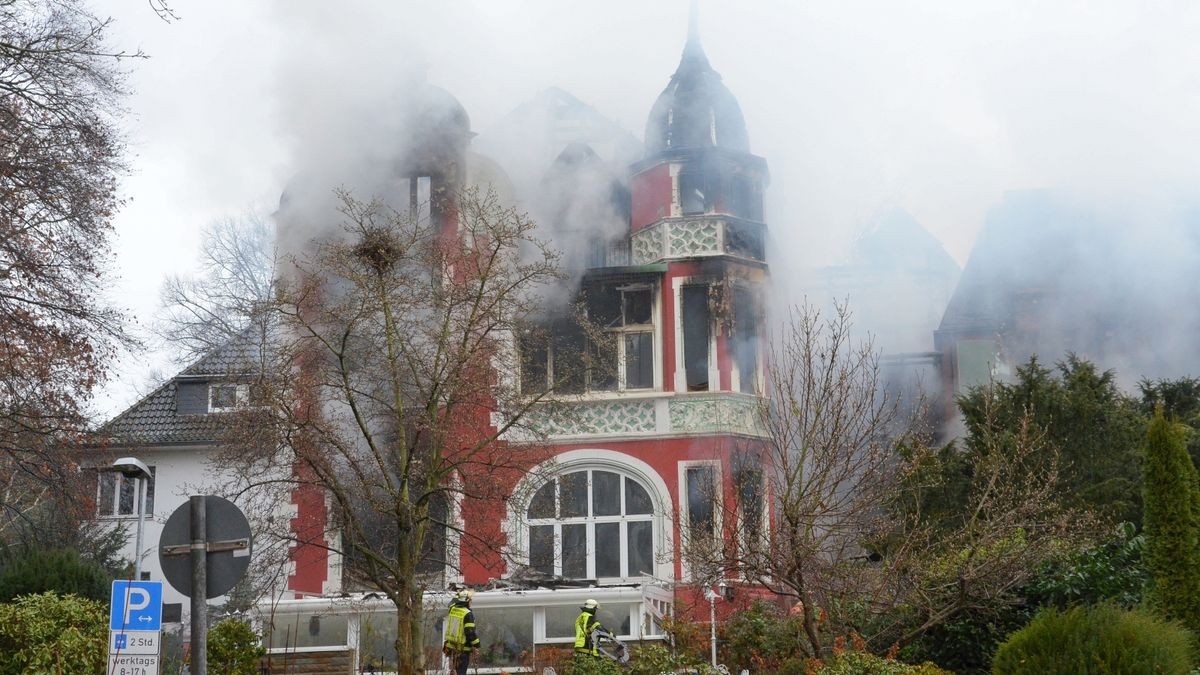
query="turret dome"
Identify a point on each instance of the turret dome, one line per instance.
(696, 110)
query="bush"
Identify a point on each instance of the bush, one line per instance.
(234, 648)
(652, 659)
(1099, 639)
(58, 571)
(587, 665)
(862, 663)
(761, 638)
(49, 633)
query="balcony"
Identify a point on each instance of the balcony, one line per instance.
(658, 414)
(699, 236)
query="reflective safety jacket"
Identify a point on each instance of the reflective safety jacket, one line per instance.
(460, 628)
(584, 625)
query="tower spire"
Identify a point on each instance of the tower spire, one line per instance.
(694, 22)
(693, 53)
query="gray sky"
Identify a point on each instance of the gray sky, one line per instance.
(934, 107)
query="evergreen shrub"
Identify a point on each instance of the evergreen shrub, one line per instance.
(1096, 639)
(1172, 523)
(59, 571)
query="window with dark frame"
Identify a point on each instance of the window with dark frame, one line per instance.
(694, 197)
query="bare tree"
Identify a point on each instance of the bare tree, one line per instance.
(232, 292)
(60, 156)
(384, 391)
(845, 468)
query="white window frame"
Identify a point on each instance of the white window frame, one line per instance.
(516, 528)
(119, 479)
(241, 396)
(685, 512)
(640, 328)
(590, 521)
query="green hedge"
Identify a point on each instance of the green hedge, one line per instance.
(1097, 639)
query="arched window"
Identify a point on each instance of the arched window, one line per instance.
(592, 524)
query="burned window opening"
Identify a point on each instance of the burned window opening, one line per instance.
(695, 192)
(697, 333)
(618, 355)
(747, 321)
(416, 195)
(745, 198)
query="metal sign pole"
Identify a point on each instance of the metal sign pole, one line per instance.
(199, 584)
(137, 554)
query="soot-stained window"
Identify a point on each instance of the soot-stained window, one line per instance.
(697, 332)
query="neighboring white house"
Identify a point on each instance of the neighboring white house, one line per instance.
(176, 432)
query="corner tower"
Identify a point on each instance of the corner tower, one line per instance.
(697, 205)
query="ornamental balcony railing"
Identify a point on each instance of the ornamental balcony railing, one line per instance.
(651, 415)
(698, 236)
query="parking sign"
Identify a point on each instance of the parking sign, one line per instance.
(136, 605)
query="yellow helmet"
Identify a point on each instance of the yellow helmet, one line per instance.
(464, 595)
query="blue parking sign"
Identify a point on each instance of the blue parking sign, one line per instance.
(136, 605)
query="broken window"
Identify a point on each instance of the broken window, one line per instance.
(415, 195)
(694, 195)
(746, 323)
(697, 332)
(591, 524)
(552, 356)
(621, 356)
(745, 199)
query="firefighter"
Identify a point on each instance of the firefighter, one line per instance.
(461, 638)
(585, 625)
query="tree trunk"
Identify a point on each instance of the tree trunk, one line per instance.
(410, 652)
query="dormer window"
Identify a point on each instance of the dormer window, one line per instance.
(227, 397)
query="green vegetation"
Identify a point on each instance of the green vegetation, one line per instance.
(761, 638)
(862, 663)
(1096, 428)
(49, 633)
(58, 571)
(234, 648)
(1172, 523)
(1097, 639)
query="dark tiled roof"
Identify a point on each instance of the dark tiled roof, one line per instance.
(154, 421)
(239, 356)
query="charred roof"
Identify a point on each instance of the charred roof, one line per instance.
(696, 110)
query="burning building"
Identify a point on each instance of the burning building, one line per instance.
(666, 256)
